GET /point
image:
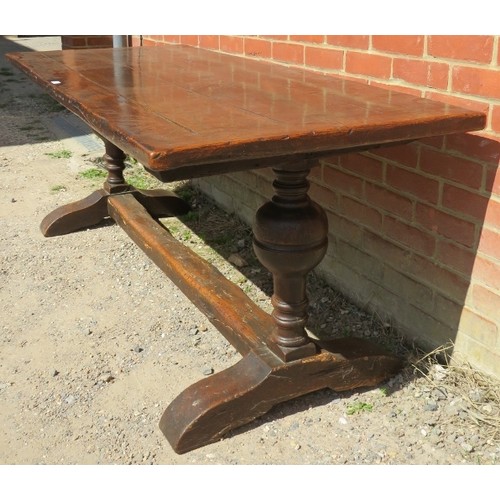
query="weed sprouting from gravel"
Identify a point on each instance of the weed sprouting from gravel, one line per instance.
(62, 153)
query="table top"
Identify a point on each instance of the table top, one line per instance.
(186, 112)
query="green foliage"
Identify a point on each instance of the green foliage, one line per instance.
(63, 153)
(359, 408)
(93, 173)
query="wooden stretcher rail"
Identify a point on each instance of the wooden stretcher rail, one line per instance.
(244, 324)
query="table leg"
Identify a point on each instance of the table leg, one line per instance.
(290, 239)
(282, 362)
(93, 209)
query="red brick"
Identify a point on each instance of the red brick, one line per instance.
(495, 119)
(413, 238)
(353, 41)
(189, 40)
(316, 173)
(398, 88)
(478, 48)
(362, 165)
(73, 42)
(100, 41)
(135, 41)
(406, 155)
(344, 229)
(455, 256)
(358, 212)
(308, 38)
(486, 301)
(258, 48)
(288, 52)
(86, 41)
(486, 271)
(476, 81)
(413, 183)
(429, 74)
(436, 142)
(275, 37)
(368, 64)
(393, 254)
(463, 102)
(266, 173)
(489, 243)
(481, 329)
(333, 160)
(404, 44)
(146, 42)
(493, 180)
(446, 310)
(452, 285)
(340, 181)
(209, 41)
(493, 214)
(443, 224)
(476, 147)
(324, 58)
(464, 202)
(171, 38)
(327, 198)
(409, 289)
(388, 200)
(232, 44)
(452, 168)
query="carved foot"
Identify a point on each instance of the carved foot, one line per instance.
(77, 215)
(208, 409)
(93, 210)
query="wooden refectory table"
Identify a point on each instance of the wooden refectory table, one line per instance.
(184, 113)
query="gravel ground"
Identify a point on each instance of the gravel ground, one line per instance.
(96, 341)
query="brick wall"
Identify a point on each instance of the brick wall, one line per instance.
(86, 41)
(414, 229)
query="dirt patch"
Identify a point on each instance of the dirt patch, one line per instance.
(96, 341)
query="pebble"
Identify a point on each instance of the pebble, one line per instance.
(208, 371)
(237, 260)
(440, 372)
(342, 421)
(476, 395)
(467, 447)
(487, 409)
(431, 406)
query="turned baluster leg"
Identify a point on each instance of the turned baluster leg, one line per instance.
(115, 165)
(290, 239)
